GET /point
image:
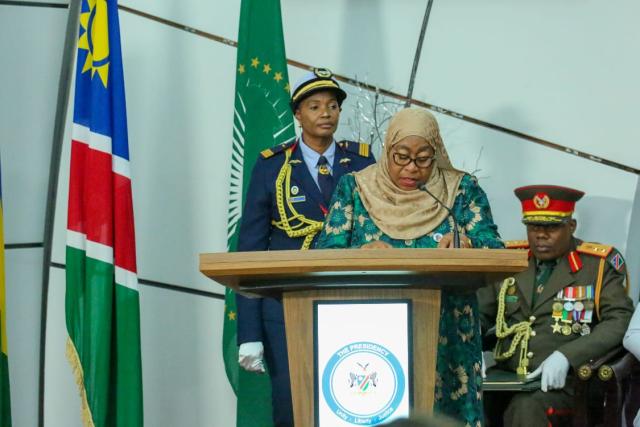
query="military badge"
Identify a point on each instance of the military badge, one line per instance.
(617, 261)
(295, 190)
(541, 201)
(298, 199)
(294, 162)
(345, 161)
(322, 72)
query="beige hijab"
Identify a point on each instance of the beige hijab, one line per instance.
(403, 214)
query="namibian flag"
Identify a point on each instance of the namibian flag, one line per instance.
(5, 401)
(102, 301)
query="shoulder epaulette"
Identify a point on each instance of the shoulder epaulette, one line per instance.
(276, 149)
(360, 148)
(595, 249)
(516, 244)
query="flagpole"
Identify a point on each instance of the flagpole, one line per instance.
(64, 90)
(416, 58)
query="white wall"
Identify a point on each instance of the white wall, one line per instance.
(559, 71)
(31, 41)
(633, 253)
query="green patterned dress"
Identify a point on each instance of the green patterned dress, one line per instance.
(458, 381)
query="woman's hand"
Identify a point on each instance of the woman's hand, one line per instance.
(447, 241)
(378, 244)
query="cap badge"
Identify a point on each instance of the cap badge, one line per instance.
(541, 201)
(322, 72)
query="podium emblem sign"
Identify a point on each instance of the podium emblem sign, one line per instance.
(363, 359)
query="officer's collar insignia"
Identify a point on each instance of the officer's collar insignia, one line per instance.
(575, 263)
(541, 201)
(345, 160)
(294, 162)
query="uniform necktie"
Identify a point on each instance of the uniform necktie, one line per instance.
(325, 180)
(543, 272)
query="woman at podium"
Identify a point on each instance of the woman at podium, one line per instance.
(414, 198)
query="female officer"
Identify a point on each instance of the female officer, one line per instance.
(287, 200)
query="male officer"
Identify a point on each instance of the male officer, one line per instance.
(287, 199)
(570, 305)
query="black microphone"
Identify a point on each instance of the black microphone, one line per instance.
(456, 235)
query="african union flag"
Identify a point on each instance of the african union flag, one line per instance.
(102, 301)
(262, 118)
(5, 401)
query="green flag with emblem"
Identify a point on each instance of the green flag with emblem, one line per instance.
(262, 118)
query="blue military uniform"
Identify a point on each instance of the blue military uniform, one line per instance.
(284, 209)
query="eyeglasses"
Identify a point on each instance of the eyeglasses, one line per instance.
(422, 162)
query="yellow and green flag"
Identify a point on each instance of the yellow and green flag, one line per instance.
(262, 118)
(5, 401)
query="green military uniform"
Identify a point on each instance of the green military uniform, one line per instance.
(581, 344)
(581, 310)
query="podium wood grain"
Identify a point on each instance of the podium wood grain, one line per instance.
(298, 309)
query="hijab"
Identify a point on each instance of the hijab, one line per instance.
(409, 214)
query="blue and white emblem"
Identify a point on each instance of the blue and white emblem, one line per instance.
(363, 383)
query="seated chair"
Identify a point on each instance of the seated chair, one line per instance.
(607, 392)
(614, 379)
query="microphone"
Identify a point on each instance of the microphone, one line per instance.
(456, 234)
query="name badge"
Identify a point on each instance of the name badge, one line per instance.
(297, 199)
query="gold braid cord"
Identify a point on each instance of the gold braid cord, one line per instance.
(521, 332)
(304, 226)
(78, 373)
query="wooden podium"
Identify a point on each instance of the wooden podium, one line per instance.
(304, 278)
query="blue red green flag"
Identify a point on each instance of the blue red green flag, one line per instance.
(102, 299)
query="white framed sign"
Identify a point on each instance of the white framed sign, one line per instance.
(363, 360)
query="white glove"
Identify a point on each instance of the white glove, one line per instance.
(250, 356)
(488, 362)
(554, 371)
